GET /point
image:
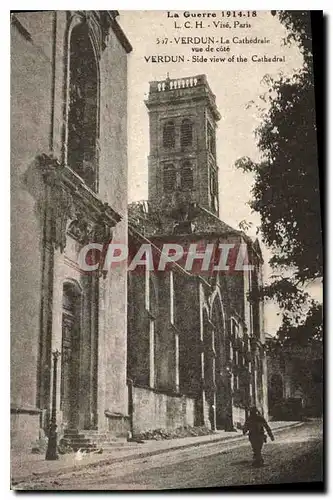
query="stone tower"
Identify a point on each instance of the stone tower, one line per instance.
(182, 162)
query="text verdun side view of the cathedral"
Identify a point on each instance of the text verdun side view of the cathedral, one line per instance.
(108, 353)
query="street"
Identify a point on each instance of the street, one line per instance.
(294, 456)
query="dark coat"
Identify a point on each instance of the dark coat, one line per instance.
(256, 425)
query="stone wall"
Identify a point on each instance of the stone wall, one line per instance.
(24, 429)
(31, 73)
(153, 410)
(112, 394)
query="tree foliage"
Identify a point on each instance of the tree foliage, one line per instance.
(311, 329)
(286, 188)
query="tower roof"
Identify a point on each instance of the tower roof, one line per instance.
(193, 88)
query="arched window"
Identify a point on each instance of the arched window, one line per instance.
(275, 393)
(211, 139)
(186, 175)
(213, 189)
(169, 135)
(153, 310)
(169, 178)
(223, 395)
(83, 107)
(234, 328)
(186, 133)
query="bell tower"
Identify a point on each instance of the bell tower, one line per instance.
(182, 162)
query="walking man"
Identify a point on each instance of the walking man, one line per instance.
(255, 425)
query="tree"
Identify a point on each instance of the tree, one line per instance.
(310, 330)
(286, 188)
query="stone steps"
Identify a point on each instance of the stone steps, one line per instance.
(93, 440)
(78, 440)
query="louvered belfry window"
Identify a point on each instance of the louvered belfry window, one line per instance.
(211, 139)
(83, 107)
(214, 188)
(169, 135)
(186, 175)
(169, 178)
(186, 133)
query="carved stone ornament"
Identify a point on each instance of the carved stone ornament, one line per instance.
(81, 228)
(72, 208)
(99, 23)
(61, 205)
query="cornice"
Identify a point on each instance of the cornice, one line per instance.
(73, 208)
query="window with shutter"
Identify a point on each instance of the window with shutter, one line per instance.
(186, 175)
(213, 188)
(169, 135)
(211, 139)
(186, 133)
(169, 178)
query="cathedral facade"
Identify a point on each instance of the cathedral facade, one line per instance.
(68, 188)
(105, 353)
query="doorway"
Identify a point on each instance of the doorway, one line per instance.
(70, 359)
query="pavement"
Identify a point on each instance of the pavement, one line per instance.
(28, 466)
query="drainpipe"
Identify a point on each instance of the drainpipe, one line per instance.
(130, 404)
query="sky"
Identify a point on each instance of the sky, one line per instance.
(234, 84)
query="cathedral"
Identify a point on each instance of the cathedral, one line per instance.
(195, 339)
(108, 353)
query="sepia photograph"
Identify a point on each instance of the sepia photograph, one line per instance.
(166, 302)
